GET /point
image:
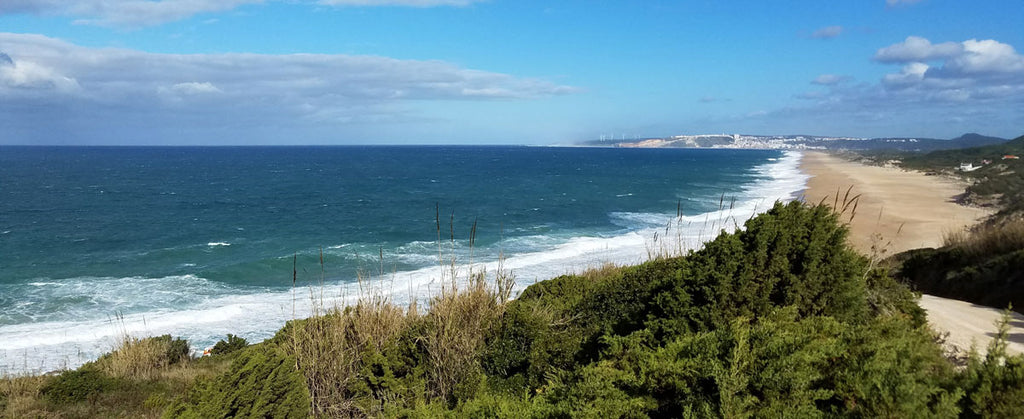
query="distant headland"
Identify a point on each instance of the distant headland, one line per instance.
(799, 142)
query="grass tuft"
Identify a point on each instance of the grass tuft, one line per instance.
(988, 239)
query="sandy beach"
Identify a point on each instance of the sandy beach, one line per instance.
(899, 210)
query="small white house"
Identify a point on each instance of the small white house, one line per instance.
(968, 167)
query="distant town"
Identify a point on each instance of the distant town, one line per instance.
(798, 142)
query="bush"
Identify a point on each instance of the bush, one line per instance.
(232, 344)
(995, 384)
(76, 386)
(261, 382)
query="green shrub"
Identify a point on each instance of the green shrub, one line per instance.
(891, 368)
(76, 386)
(995, 384)
(232, 344)
(889, 297)
(531, 341)
(261, 382)
(177, 349)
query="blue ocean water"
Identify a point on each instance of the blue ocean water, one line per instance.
(200, 242)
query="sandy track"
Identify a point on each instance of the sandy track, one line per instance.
(901, 210)
(974, 324)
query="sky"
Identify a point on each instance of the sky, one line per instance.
(255, 72)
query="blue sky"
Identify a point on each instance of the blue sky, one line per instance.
(503, 71)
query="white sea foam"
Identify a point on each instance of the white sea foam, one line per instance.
(205, 311)
(215, 244)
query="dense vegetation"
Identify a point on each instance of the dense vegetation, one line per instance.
(781, 319)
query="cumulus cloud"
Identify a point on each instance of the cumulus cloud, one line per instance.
(932, 86)
(984, 57)
(26, 76)
(47, 73)
(827, 32)
(910, 74)
(965, 72)
(981, 61)
(915, 48)
(134, 13)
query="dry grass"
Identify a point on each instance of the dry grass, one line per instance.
(20, 397)
(458, 320)
(606, 270)
(988, 239)
(134, 358)
(328, 350)
(330, 345)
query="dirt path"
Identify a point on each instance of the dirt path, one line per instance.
(969, 323)
(902, 210)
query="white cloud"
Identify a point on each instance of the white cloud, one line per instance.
(827, 32)
(411, 3)
(128, 13)
(983, 61)
(48, 73)
(829, 79)
(915, 48)
(892, 3)
(910, 74)
(195, 88)
(985, 57)
(135, 13)
(979, 83)
(20, 77)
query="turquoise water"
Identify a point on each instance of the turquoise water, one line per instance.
(200, 242)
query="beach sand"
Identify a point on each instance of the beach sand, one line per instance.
(900, 210)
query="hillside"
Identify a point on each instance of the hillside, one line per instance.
(998, 181)
(983, 267)
(779, 319)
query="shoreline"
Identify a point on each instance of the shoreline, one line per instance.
(900, 210)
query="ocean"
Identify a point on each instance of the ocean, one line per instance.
(199, 242)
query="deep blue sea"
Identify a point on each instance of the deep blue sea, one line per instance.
(199, 242)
